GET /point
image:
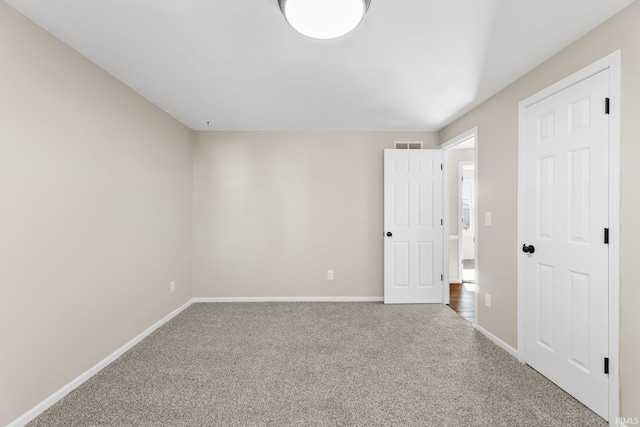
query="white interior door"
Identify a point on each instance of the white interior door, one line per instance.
(566, 214)
(413, 215)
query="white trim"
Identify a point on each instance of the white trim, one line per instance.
(446, 280)
(453, 237)
(615, 189)
(611, 62)
(497, 341)
(445, 146)
(459, 217)
(455, 280)
(476, 254)
(464, 136)
(288, 299)
(55, 397)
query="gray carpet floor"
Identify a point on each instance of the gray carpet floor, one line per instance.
(317, 364)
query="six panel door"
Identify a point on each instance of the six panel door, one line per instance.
(566, 213)
(413, 247)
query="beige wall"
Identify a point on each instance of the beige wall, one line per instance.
(275, 211)
(95, 208)
(497, 161)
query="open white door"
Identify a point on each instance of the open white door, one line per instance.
(565, 255)
(413, 215)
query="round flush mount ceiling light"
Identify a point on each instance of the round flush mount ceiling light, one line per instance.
(324, 19)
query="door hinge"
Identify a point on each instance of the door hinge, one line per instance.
(606, 236)
(606, 365)
(442, 277)
(462, 179)
(441, 166)
(442, 222)
(607, 101)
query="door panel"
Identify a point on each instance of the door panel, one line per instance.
(413, 192)
(566, 212)
(578, 318)
(425, 204)
(426, 267)
(401, 264)
(544, 305)
(546, 199)
(401, 204)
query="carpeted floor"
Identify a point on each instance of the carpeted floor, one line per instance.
(317, 364)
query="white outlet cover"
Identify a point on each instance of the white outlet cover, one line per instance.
(487, 300)
(329, 274)
(487, 218)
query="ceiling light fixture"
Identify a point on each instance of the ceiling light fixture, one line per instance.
(324, 19)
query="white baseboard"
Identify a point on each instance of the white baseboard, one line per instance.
(288, 299)
(503, 345)
(55, 397)
(455, 281)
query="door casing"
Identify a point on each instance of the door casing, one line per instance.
(461, 167)
(613, 63)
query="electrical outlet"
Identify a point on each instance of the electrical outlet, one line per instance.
(329, 274)
(487, 218)
(172, 286)
(487, 300)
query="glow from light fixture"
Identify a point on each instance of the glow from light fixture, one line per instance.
(324, 19)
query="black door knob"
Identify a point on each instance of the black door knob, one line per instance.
(389, 234)
(528, 249)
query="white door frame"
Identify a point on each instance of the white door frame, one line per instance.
(611, 62)
(445, 146)
(461, 234)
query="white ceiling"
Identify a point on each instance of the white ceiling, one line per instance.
(413, 65)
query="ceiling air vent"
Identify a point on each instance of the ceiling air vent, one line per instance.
(408, 145)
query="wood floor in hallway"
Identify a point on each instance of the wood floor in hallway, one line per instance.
(463, 300)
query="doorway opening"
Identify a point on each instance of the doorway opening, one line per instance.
(460, 222)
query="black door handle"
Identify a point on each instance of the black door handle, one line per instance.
(528, 249)
(389, 234)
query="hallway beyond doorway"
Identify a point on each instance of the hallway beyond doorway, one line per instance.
(462, 300)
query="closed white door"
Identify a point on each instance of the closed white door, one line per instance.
(413, 213)
(564, 252)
